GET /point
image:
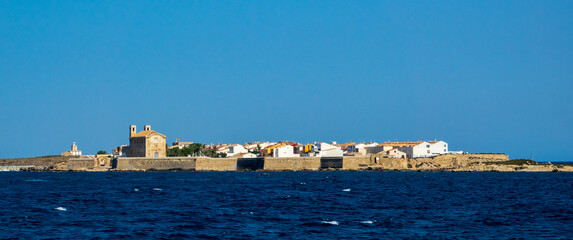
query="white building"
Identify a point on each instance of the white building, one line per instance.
(422, 149)
(73, 151)
(439, 147)
(395, 153)
(419, 148)
(284, 151)
(326, 150)
(363, 148)
(236, 149)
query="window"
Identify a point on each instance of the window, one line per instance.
(156, 154)
(155, 140)
(428, 151)
(428, 146)
(445, 145)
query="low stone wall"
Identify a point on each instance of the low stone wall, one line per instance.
(391, 163)
(355, 163)
(449, 161)
(163, 164)
(216, 164)
(292, 164)
(39, 163)
(80, 164)
(456, 160)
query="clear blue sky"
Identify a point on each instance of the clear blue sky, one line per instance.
(485, 76)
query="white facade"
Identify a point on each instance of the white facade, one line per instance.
(425, 149)
(330, 153)
(439, 147)
(326, 150)
(395, 153)
(367, 148)
(355, 147)
(236, 149)
(285, 151)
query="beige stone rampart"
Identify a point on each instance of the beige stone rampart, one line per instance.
(216, 164)
(447, 161)
(393, 163)
(292, 164)
(80, 164)
(455, 160)
(355, 163)
(450, 162)
(166, 163)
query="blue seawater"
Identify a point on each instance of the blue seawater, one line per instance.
(290, 205)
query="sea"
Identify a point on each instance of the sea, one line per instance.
(286, 205)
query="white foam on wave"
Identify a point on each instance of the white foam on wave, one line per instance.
(157, 189)
(61, 209)
(136, 189)
(367, 222)
(330, 222)
(346, 190)
(35, 180)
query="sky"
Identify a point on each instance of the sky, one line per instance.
(484, 76)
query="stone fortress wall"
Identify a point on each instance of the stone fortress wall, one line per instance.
(165, 163)
(305, 163)
(448, 162)
(292, 164)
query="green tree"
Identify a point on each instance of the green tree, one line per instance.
(173, 152)
(195, 149)
(101, 152)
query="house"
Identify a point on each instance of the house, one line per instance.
(236, 149)
(147, 143)
(353, 149)
(73, 151)
(323, 149)
(394, 153)
(345, 146)
(368, 148)
(419, 148)
(438, 147)
(285, 151)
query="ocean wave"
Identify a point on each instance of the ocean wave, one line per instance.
(330, 222)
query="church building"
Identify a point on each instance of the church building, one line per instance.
(147, 143)
(73, 152)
